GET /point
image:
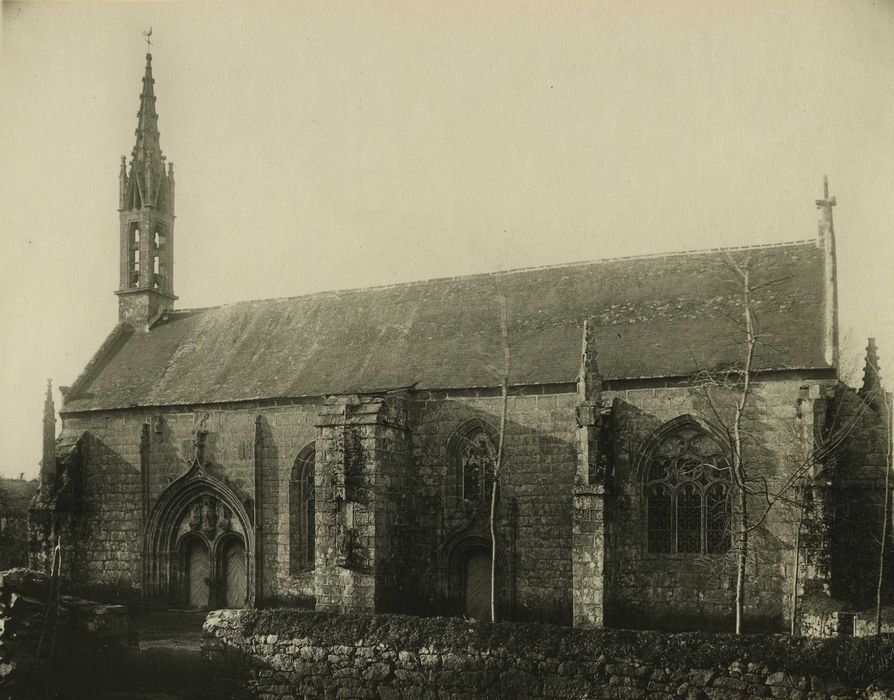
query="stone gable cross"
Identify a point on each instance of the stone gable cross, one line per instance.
(826, 202)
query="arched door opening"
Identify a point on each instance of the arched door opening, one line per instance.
(478, 584)
(199, 546)
(466, 562)
(233, 572)
(198, 573)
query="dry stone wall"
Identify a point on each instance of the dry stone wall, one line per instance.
(288, 655)
(37, 653)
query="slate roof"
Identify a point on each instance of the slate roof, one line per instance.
(657, 316)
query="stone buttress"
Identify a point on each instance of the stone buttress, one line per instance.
(363, 450)
(588, 512)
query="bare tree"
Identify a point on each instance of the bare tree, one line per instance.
(886, 508)
(498, 462)
(752, 496)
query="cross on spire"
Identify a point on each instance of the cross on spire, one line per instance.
(148, 36)
(826, 202)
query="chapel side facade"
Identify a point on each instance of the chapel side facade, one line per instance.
(190, 477)
(391, 527)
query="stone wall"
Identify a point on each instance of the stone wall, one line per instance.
(417, 526)
(419, 516)
(857, 501)
(290, 654)
(40, 659)
(689, 589)
(104, 546)
(534, 512)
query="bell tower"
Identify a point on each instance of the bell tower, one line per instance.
(146, 213)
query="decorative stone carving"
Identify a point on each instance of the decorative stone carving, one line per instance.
(223, 518)
(195, 516)
(199, 437)
(344, 545)
(209, 518)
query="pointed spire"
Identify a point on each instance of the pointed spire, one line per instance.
(147, 144)
(872, 389)
(48, 461)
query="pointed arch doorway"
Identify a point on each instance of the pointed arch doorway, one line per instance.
(466, 566)
(198, 573)
(477, 584)
(199, 546)
(232, 570)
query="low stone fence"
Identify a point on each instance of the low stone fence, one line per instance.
(42, 648)
(284, 654)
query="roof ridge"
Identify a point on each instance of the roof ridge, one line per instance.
(497, 273)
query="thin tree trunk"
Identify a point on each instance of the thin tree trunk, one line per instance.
(504, 388)
(738, 463)
(886, 507)
(797, 572)
(741, 562)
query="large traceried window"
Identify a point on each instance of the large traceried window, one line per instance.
(301, 512)
(686, 488)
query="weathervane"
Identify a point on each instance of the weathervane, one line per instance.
(148, 36)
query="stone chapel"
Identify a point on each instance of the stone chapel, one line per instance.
(337, 450)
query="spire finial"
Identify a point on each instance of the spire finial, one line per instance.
(48, 460)
(872, 381)
(148, 36)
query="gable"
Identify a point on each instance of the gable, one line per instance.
(661, 316)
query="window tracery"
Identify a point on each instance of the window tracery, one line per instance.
(477, 459)
(686, 488)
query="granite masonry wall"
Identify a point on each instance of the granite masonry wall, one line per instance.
(680, 590)
(857, 502)
(418, 518)
(409, 516)
(534, 510)
(105, 541)
(281, 655)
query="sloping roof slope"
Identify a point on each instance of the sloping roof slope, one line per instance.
(656, 316)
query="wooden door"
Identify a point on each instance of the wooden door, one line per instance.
(234, 567)
(198, 571)
(478, 585)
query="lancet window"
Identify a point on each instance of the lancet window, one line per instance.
(134, 254)
(302, 508)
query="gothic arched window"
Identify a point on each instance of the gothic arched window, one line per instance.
(477, 460)
(473, 456)
(686, 489)
(301, 511)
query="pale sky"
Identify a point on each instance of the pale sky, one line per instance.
(337, 145)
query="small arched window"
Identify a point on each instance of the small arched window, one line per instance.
(302, 502)
(474, 456)
(686, 489)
